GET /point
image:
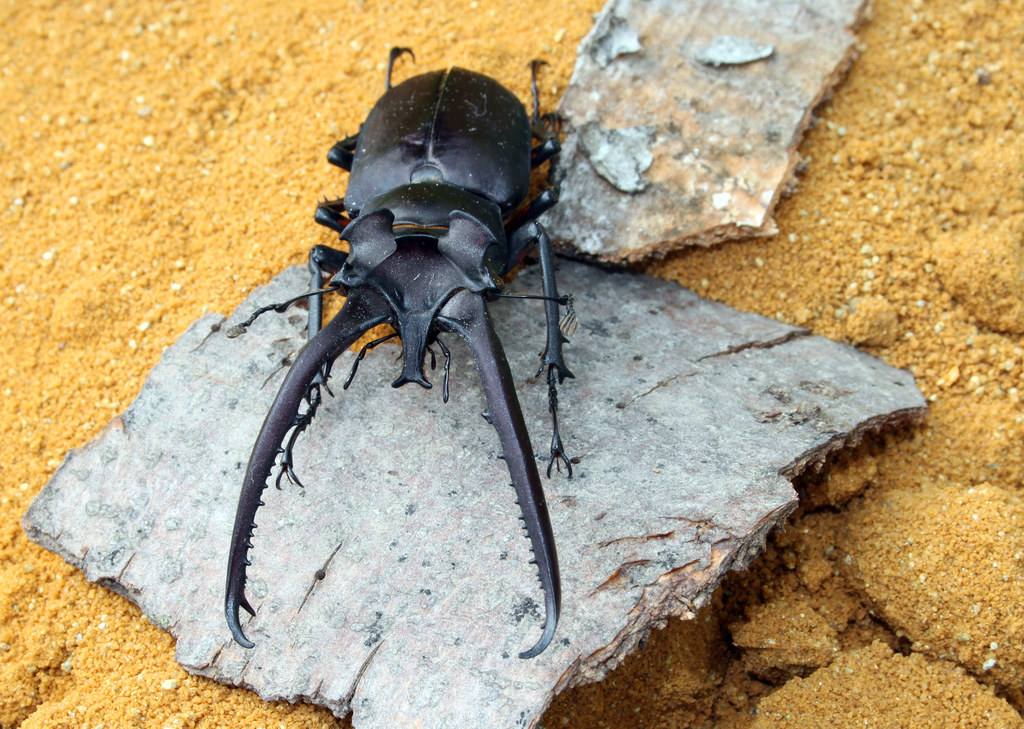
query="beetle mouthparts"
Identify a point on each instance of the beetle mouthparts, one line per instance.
(414, 329)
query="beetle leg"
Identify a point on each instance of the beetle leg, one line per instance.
(362, 311)
(466, 314)
(299, 423)
(525, 238)
(543, 128)
(552, 354)
(395, 54)
(544, 151)
(343, 153)
(544, 201)
(362, 353)
(323, 261)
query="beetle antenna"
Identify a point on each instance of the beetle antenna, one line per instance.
(560, 300)
(239, 329)
(569, 323)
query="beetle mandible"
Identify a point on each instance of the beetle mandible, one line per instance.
(438, 185)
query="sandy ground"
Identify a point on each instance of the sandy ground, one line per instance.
(162, 159)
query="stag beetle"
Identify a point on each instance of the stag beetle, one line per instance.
(435, 215)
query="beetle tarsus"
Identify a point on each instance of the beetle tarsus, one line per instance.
(557, 452)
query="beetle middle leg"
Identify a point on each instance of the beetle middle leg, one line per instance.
(551, 357)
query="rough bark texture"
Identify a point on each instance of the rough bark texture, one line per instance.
(396, 583)
(684, 117)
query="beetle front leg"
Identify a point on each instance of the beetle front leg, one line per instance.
(533, 235)
(552, 354)
(324, 261)
(551, 357)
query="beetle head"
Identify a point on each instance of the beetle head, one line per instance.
(417, 266)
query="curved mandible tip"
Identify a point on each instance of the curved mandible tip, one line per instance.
(550, 623)
(231, 606)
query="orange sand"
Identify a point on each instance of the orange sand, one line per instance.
(161, 160)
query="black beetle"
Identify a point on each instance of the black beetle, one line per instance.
(435, 214)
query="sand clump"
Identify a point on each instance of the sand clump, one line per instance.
(942, 566)
(984, 271)
(856, 690)
(783, 638)
(873, 322)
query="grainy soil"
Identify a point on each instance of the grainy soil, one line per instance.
(161, 159)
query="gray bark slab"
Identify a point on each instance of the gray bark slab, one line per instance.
(683, 119)
(395, 584)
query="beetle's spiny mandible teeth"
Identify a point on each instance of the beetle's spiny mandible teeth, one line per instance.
(476, 227)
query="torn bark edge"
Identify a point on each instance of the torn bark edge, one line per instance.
(734, 231)
(683, 591)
